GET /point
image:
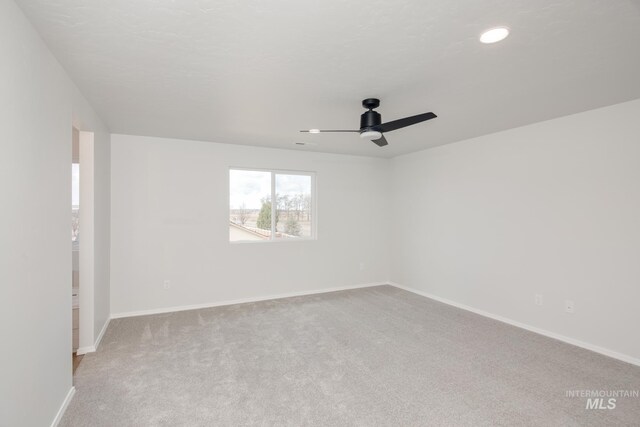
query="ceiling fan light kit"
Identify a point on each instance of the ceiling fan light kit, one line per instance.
(371, 126)
(370, 135)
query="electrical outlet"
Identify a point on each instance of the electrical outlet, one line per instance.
(361, 266)
(569, 307)
(538, 299)
(166, 284)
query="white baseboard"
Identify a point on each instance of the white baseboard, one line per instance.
(94, 347)
(84, 350)
(568, 340)
(101, 334)
(240, 301)
(63, 407)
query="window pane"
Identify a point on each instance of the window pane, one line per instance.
(249, 205)
(293, 196)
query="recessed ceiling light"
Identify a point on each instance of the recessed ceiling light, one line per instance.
(494, 35)
(304, 143)
(314, 130)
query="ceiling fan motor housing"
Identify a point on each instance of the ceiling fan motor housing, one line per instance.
(370, 119)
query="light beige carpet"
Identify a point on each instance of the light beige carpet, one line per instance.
(368, 357)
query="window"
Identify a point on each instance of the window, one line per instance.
(253, 193)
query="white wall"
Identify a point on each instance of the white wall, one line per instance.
(552, 208)
(170, 221)
(38, 106)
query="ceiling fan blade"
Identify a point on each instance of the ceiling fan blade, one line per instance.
(322, 131)
(380, 142)
(401, 123)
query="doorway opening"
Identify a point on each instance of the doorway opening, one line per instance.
(75, 247)
(82, 244)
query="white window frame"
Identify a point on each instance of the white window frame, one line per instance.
(274, 172)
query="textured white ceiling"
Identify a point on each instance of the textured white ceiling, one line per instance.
(256, 71)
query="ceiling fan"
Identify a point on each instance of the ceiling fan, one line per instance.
(371, 127)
